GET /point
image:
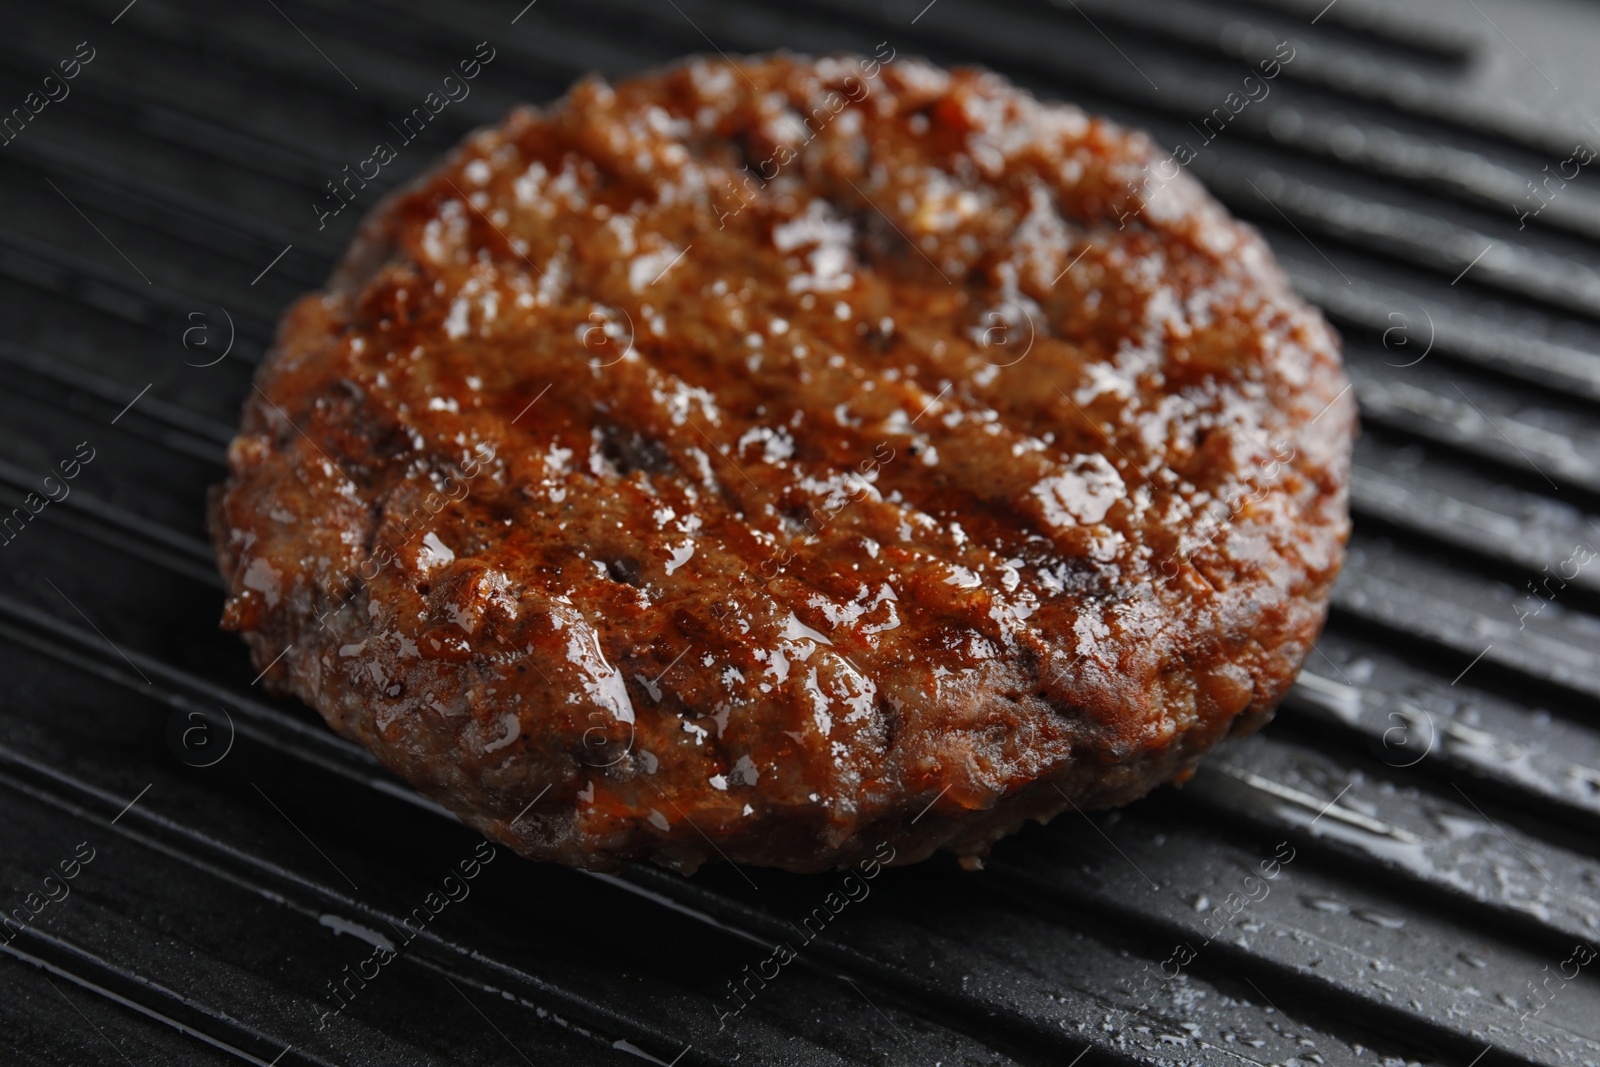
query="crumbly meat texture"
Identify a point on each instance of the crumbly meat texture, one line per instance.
(779, 461)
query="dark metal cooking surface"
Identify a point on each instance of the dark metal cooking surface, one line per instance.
(1402, 869)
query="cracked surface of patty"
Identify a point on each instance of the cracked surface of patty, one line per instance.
(766, 462)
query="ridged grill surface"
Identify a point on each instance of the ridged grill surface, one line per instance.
(1400, 869)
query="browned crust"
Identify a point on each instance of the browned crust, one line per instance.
(1056, 638)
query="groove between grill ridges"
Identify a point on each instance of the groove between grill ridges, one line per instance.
(115, 396)
(182, 689)
(1453, 325)
(1417, 506)
(1394, 35)
(119, 519)
(153, 306)
(98, 187)
(218, 132)
(80, 976)
(1381, 820)
(1403, 234)
(1417, 1009)
(1416, 609)
(1417, 735)
(1440, 419)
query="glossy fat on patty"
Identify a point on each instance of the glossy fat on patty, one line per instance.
(770, 461)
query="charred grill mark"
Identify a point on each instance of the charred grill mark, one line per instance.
(624, 571)
(629, 450)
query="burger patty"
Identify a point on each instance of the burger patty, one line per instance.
(785, 460)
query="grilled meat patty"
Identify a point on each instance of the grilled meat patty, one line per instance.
(778, 460)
